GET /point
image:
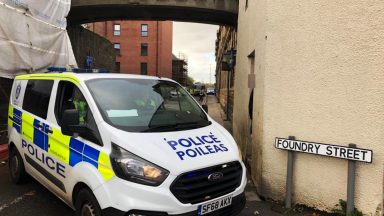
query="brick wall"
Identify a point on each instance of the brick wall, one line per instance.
(159, 42)
(226, 41)
(85, 42)
(165, 48)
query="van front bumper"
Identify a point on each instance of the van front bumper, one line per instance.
(123, 197)
(238, 203)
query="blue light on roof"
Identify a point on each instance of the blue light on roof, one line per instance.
(57, 69)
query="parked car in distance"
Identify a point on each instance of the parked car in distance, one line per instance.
(210, 91)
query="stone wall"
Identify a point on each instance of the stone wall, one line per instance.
(85, 42)
(319, 77)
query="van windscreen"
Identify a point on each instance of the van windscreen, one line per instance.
(144, 105)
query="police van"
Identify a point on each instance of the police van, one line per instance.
(115, 144)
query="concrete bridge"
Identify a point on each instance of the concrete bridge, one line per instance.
(202, 11)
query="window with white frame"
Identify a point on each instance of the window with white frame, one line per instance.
(116, 29)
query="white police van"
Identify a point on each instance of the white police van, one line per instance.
(114, 144)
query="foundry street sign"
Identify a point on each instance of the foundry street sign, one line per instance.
(357, 154)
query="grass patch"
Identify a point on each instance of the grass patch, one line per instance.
(341, 209)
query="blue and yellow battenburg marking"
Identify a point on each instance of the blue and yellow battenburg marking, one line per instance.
(65, 148)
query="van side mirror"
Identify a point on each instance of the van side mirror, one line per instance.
(71, 123)
(205, 107)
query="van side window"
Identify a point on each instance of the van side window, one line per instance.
(69, 96)
(36, 98)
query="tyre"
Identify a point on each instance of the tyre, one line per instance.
(16, 167)
(86, 204)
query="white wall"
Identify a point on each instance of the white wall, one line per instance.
(319, 76)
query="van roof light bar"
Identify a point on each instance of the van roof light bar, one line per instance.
(76, 70)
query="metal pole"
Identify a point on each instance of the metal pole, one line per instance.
(351, 184)
(157, 49)
(289, 182)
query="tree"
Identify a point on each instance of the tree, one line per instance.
(190, 81)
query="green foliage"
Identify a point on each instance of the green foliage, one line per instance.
(341, 209)
(190, 81)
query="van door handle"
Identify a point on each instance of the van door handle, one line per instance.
(40, 126)
(49, 130)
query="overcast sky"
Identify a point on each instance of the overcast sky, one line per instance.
(197, 42)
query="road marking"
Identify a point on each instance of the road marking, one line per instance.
(17, 200)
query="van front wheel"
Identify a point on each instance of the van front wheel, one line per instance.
(86, 204)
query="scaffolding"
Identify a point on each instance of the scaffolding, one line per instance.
(180, 68)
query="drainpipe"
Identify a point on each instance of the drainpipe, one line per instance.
(157, 48)
(230, 72)
(227, 112)
(106, 28)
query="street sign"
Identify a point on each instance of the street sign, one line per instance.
(357, 154)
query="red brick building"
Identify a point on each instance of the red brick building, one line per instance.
(142, 47)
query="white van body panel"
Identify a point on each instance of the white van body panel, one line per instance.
(156, 149)
(118, 193)
(178, 152)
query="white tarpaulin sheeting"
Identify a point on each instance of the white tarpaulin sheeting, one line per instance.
(51, 11)
(33, 36)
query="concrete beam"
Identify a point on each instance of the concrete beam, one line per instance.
(203, 11)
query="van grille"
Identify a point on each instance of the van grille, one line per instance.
(195, 187)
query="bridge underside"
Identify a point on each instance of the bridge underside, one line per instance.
(94, 13)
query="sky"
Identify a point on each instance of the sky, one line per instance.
(197, 42)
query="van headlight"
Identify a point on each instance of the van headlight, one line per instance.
(135, 169)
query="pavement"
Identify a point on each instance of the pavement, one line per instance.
(255, 205)
(30, 199)
(217, 113)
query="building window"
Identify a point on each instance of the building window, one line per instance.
(144, 30)
(144, 68)
(144, 49)
(117, 48)
(116, 29)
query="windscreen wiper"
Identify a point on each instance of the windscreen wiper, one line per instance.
(177, 126)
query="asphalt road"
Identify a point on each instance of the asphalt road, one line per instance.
(30, 199)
